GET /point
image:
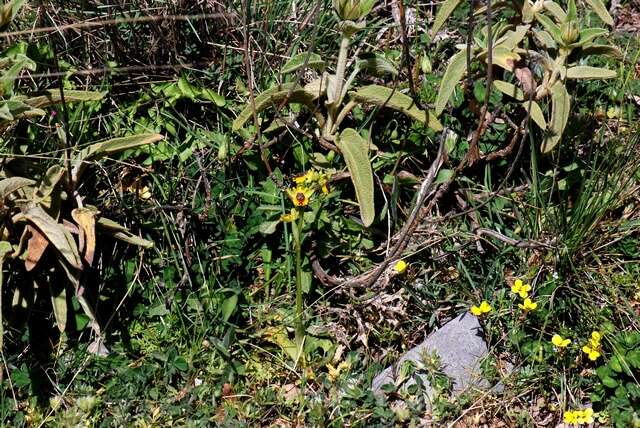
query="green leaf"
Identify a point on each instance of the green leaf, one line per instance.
(109, 147)
(606, 50)
(387, 97)
(586, 72)
(572, 12)
(536, 114)
(503, 57)
(312, 60)
(445, 10)
(375, 64)
(551, 27)
(18, 63)
(268, 227)
(609, 382)
(355, 150)
(55, 233)
(588, 35)
(509, 89)
(49, 182)
(633, 358)
(228, 306)
(59, 303)
(512, 38)
(292, 92)
(560, 104)
(52, 96)
(545, 39)
(599, 8)
(211, 95)
(8, 11)
(452, 76)
(555, 10)
(122, 233)
(13, 184)
(13, 109)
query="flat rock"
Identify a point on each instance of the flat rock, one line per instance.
(461, 348)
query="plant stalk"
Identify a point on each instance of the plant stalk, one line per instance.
(298, 323)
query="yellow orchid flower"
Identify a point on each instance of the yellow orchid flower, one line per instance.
(484, 308)
(559, 342)
(300, 195)
(291, 217)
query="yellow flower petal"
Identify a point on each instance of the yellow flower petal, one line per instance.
(485, 307)
(400, 266)
(528, 305)
(476, 311)
(559, 342)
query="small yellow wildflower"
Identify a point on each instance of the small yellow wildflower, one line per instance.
(595, 338)
(291, 217)
(559, 342)
(585, 416)
(521, 289)
(592, 351)
(570, 417)
(400, 266)
(300, 195)
(528, 305)
(484, 308)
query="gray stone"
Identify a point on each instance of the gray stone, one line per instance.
(461, 348)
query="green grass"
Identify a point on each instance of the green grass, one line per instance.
(198, 327)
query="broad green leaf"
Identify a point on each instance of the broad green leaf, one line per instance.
(503, 57)
(536, 114)
(600, 10)
(555, 10)
(527, 11)
(12, 184)
(355, 150)
(375, 64)
(452, 76)
(445, 10)
(8, 11)
(55, 233)
(572, 12)
(292, 92)
(312, 60)
(59, 303)
(387, 97)
(187, 89)
(512, 38)
(551, 27)
(317, 87)
(545, 39)
(211, 95)
(228, 306)
(588, 35)
(49, 182)
(13, 109)
(112, 228)
(593, 49)
(509, 89)
(586, 72)
(268, 227)
(8, 78)
(109, 147)
(560, 104)
(52, 96)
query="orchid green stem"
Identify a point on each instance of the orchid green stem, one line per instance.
(299, 324)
